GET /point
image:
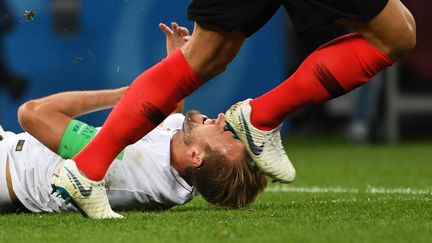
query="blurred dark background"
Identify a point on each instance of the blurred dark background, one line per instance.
(78, 45)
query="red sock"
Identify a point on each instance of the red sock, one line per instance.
(149, 99)
(332, 70)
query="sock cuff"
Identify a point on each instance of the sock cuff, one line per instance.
(385, 59)
(180, 68)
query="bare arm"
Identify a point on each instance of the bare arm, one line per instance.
(47, 118)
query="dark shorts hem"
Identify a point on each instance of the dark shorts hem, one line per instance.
(251, 15)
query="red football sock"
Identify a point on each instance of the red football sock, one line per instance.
(149, 99)
(332, 70)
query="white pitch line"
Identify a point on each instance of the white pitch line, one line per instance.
(368, 190)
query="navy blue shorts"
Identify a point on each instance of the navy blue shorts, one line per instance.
(251, 15)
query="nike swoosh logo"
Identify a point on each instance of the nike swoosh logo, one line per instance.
(84, 192)
(256, 150)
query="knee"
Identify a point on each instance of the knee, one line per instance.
(406, 42)
(406, 36)
(393, 30)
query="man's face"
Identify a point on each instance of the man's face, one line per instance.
(199, 129)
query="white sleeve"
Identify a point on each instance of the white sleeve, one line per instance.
(174, 121)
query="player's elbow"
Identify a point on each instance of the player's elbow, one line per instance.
(28, 114)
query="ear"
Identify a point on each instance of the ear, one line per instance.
(195, 156)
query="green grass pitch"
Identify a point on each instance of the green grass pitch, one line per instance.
(343, 193)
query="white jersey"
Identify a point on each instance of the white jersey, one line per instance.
(142, 179)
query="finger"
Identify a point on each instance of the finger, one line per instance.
(186, 38)
(165, 29)
(174, 26)
(184, 31)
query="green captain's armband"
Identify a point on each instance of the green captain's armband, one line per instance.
(77, 135)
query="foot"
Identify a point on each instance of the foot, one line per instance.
(88, 196)
(265, 147)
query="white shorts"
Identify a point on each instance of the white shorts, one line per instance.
(5, 200)
(31, 166)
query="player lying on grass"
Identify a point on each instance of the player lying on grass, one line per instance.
(167, 167)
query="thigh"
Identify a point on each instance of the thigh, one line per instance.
(247, 15)
(306, 14)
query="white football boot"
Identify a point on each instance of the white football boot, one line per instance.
(265, 147)
(88, 196)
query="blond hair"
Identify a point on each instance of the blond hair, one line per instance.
(226, 183)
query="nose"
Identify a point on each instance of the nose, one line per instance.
(220, 120)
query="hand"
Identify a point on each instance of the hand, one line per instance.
(176, 36)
